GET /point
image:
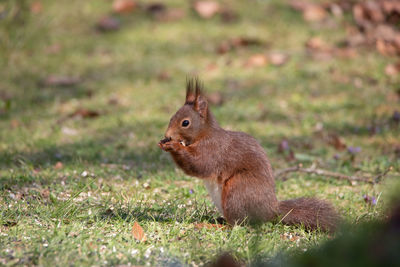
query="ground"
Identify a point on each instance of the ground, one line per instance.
(79, 163)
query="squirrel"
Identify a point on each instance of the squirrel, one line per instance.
(235, 169)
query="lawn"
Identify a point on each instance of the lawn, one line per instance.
(82, 111)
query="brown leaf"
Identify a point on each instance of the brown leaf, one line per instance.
(316, 43)
(311, 12)
(14, 124)
(209, 226)
(84, 113)
(36, 7)
(170, 14)
(124, 6)
(53, 49)
(278, 59)
(45, 193)
(58, 80)
(257, 60)
(319, 49)
(392, 69)
(164, 76)
(238, 42)
(138, 232)
(108, 24)
(58, 165)
(314, 13)
(215, 98)
(206, 9)
(155, 8)
(337, 142)
(228, 15)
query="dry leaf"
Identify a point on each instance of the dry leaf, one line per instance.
(14, 124)
(314, 13)
(209, 226)
(58, 165)
(228, 15)
(36, 7)
(337, 142)
(45, 193)
(58, 80)
(311, 12)
(238, 42)
(155, 8)
(107, 24)
(392, 69)
(206, 9)
(84, 113)
(277, 58)
(257, 60)
(124, 6)
(138, 232)
(215, 98)
(164, 76)
(170, 14)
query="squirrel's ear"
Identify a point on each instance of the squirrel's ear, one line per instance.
(190, 94)
(201, 106)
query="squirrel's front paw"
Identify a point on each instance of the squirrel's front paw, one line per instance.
(169, 145)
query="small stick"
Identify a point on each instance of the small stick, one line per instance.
(336, 175)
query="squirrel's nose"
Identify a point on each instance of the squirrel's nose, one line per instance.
(168, 134)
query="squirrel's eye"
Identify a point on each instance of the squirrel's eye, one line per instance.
(185, 123)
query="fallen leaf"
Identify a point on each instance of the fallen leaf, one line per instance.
(58, 165)
(138, 232)
(45, 193)
(14, 123)
(215, 98)
(278, 59)
(164, 76)
(108, 24)
(316, 43)
(58, 80)
(392, 69)
(336, 141)
(209, 226)
(84, 113)
(314, 13)
(171, 14)
(124, 6)
(155, 8)
(238, 42)
(228, 15)
(311, 12)
(53, 49)
(36, 7)
(257, 60)
(319, 49)
(206, 9)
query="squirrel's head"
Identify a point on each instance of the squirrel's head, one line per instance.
(192, 119)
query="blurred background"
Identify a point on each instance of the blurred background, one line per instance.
(87, 89)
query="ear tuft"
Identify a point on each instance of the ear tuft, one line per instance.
(190, 91)
(194, 96)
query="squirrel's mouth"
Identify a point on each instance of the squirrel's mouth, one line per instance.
(165, 140)
(184, 142)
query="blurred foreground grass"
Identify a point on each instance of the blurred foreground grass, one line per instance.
(71, 188)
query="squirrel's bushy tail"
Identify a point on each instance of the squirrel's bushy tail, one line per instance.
(310, 212)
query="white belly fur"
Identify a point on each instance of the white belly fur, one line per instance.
(214, 190)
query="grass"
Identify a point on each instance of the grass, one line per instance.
(112, 174)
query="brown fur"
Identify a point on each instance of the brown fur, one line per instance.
(237, 162)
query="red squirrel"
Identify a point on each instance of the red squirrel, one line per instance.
(235, 169)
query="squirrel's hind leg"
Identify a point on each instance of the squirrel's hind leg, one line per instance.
(245, 197)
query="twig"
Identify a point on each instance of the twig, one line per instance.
(340, 176)
(379, 177)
